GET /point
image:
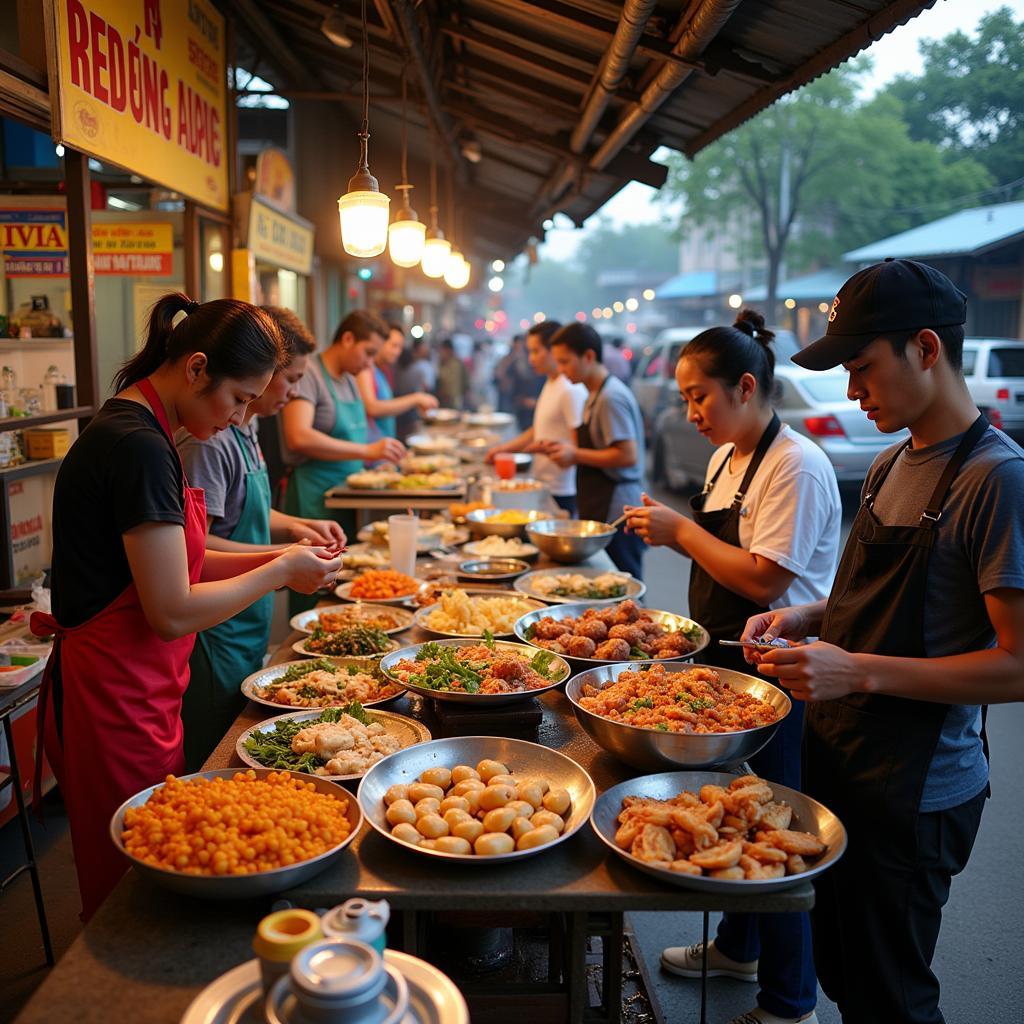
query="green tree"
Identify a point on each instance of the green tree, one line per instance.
(969, 96)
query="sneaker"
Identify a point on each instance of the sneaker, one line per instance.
(760, 1016)
(685, 961)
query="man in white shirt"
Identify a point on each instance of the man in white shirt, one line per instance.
(559, 411)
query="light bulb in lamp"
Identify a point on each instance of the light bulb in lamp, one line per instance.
(456, 273)
(436, 251)
(363, 210)
(406, 235)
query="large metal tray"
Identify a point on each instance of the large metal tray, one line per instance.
(265, 676)
(635, 589)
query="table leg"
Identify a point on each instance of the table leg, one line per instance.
(576, 965)
(704, 973)
(26, 833)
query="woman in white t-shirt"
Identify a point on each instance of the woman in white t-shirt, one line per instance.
(557, 414)
(765, 530)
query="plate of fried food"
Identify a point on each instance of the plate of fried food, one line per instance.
(387, 480)
(337, 617)
(716, 832)
(429, 463)
(599, 634)
(337, 743)
(485, 673)
(463, 612)
(379, 586)
(320, 683)
(501, 547)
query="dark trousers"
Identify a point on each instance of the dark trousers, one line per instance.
(875, 925)
(626, 550)
(567, 503)
(781, 943)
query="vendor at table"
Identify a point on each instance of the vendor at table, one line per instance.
(923, 627)
(382, 407)
(132, 581)
(764, 534)
(608, 452)
(325, 425)
(230, 469)
(556, 417)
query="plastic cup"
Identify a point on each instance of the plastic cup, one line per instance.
(505, 465)
(402, 542)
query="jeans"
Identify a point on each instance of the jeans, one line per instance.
(781, 943)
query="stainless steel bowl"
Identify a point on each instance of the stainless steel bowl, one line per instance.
(570, 540)
(406, 730)
(432, 444)
(671, 620)
(490, 420)
(528, 760)
(442, 416)
(808, 816)
(481, 524)
(480, 700)
(229, 887)
(654, 750)
(251, 685)
(635, 589)
(500, 569)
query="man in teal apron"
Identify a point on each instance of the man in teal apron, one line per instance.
(231, 469)
(325, 425)
(382, 407)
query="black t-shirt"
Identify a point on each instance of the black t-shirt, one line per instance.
(122, 471)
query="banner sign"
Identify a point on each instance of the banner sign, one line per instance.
(279, 238)
(143, 84)
(133, 249)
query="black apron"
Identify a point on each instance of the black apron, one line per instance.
(594, 487)
(721, 611)
(866, 756)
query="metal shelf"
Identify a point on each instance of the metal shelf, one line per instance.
(59, 416)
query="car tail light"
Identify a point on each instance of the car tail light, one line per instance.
(1003, 395)
(995, 417)
(824, 426)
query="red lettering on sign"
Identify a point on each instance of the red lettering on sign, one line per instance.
(97, 30)
(78, 43)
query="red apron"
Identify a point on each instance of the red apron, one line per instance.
(121, 687)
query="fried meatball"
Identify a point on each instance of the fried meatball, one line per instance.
(554, 645)
(607, 616)
(505, 667)
(613, 650)
(627, 612)
(580, 647)
(593, 628)
(549, 629)
(633, 635)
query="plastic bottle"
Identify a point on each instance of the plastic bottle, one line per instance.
(50, 382)
(9, 380)
(360, 919)
(279, 936)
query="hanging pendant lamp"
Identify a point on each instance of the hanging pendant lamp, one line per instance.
(437, 248)
(363, 209)
(407, 234)
(456, 270)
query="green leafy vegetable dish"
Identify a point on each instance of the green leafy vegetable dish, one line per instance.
(354, 642)
(485, 668)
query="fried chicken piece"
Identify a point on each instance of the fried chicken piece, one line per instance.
(654, 843)
(549, 629)
(795, 864)
(627, 612)
(764, 853)
(683, 841)
(633, 635)
(613, 650)
(692, 821)
(725, 855)
(713, 814)
(712, 794)
(507, 667)
(759, 792)
(325, 739)
(626, 833)
(802, 843)
(776, 815)
(744, 780)
(684, 867)
(734, 874)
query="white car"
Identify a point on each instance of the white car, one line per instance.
(994, 371)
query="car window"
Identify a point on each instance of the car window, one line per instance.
(970, 361)
(673, 358)
(653, 368)
(826, 389)
(1006, 362)
(643, 360)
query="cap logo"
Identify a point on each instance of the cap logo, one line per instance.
(833, 312)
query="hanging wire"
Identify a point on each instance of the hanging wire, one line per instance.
(451, 204)
(433, 177)
(405, 128)
(364, 129)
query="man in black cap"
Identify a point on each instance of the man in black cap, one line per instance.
(923, 628)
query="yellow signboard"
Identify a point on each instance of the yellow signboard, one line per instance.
(142, 83)
(133, 248)
(279, 238)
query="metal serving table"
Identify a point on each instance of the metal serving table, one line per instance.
(153, 951)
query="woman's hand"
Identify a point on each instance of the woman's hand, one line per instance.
(308, 569)
(656, 524)
(425, 401)
(319, 532)
(561, 453)
(387, 448)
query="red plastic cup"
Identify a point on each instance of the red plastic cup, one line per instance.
(505, 465)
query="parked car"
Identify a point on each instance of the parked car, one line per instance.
(812, 402)
(994, 371)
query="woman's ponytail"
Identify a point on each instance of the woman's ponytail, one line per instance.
(239, 340)
(153, 353)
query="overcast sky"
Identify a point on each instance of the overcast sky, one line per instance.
(893, 54)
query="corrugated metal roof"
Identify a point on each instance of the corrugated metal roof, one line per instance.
(517, 77)
(967, 233)
(694, 284)
(822, 284)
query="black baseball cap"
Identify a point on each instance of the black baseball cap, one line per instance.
(885, 298)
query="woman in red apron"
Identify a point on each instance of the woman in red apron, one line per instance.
(130, 582)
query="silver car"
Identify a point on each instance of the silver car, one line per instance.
(994, 371)
(812, 402)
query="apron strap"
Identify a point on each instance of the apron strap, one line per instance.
(710, 485)
(933, 511)
(240, 440)
(874, 486)
(591, 402)
(769, 435)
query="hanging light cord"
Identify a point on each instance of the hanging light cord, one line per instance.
(433, 179)
(364, 129)
(405, 133)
